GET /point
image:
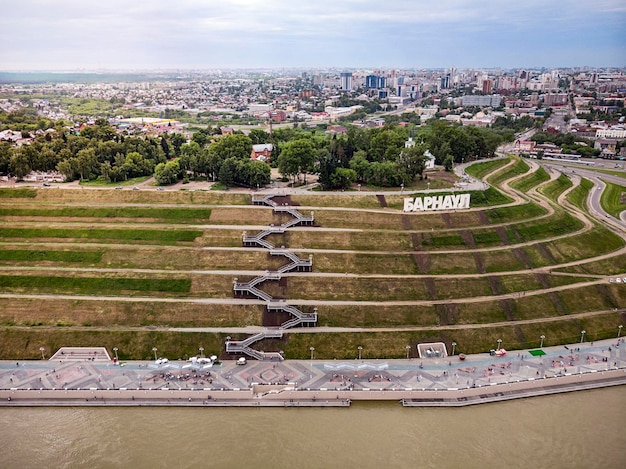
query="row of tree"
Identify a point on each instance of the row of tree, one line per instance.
(376, 156)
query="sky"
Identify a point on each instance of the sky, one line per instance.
(208, 34)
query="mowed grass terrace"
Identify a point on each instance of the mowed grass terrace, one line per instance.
(115, 264)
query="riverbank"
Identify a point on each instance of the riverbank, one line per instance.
(448, 381)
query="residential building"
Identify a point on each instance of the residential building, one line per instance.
(492, 100)
(262, 152)
(616, 133)
(346, 81)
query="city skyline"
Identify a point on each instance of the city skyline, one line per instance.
(195, 34)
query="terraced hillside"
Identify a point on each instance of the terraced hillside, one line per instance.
(137, 270)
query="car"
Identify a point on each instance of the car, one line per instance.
(118, 187)
(45, 184)
(135, 188)
(160, 189)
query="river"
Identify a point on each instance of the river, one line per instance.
(580, 429)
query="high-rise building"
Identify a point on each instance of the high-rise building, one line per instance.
(346, 81)
(445, 82)
(375, 82)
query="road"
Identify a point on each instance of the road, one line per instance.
(575, 172)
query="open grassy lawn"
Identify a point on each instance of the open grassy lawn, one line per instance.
(555, 188)
(514, 213)
(613, 199)
(580, 193)
(24, 343)
(504, 260)
(561, 223)
(611, 266)
(185, 258)
(100, 234)
(480, 170)
(357, 200)
(49, 256)
(20, 344)
(20, 193)
(97, 196)
(377, 316)
(86, 313)
(518, 168)
(171, 215)
(529, 181)
(593, 298)
(103, 183)
(433, 263)
(595, 242)
(362, 263)
(345, 240)
(92, 285)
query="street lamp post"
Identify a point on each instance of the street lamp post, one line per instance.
(360, 349)
(582, 336)
(428, 185)
(312, 349)
(115, 349)
(201, 350)
(154, 349)
(499, 344)
(619, 330)
(41, 349)
(408, 351)
(453, 347)
(542, 337)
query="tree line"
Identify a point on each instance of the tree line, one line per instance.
(377, 156)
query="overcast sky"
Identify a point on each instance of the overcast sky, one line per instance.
(205, 34)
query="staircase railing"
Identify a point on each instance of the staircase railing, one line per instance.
(244, 346)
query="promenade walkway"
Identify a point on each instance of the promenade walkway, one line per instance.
(445, 381)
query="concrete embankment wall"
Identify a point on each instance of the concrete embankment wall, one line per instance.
(310, 397)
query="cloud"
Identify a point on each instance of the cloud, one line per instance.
(186, 32)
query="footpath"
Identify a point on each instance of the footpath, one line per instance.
(82, 380)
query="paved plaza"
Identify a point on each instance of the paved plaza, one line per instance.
(303, 379)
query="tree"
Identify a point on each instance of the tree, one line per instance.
(297, 157)
(19, 165)
(165, 147)
(385, 174)
(66, 168)
(167, 173)
(412, 162)
(360, 165)
(201, 137)
(5, 156)
(258, 136)
(228, 172)
(448, 163)
(236, 146)
(177, 141)
(189, 155)
(385, 145)
(86, 162)
(258, 173)
(343, 178)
